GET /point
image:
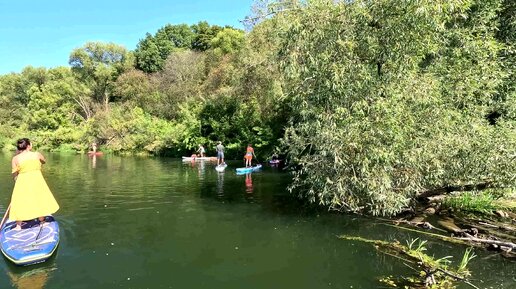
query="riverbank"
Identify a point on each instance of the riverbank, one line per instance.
(473, 219)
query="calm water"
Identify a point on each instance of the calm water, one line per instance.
(129, 222)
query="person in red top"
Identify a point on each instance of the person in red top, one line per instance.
(248, 157)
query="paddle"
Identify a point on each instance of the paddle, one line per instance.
(39, 233)
(4, 218)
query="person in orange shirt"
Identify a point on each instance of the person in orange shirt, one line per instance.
(248, 157)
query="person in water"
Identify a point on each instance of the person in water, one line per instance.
(248, 157)
(201, 151)
(31, 196)
(94, 147)
(220, 154)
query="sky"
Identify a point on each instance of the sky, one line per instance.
(44, 33)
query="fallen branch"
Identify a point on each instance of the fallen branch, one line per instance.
(486, 241)
(457, 277)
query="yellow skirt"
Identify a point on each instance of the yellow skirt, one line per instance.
(31, 197)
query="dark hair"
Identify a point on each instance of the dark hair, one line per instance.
(22, 144)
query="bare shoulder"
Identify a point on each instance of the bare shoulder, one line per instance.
(40, 157)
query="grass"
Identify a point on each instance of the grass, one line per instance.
(473, 202)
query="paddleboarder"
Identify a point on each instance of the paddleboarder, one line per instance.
(31, 197)
(248, 157)
(94, 147)
(201, 151)
(220, 154)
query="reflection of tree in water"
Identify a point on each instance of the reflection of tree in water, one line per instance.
(32, 279)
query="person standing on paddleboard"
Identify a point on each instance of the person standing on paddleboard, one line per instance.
(201, 151)
(31, 196)
(220, 154)
(94, 147)
(248, 157)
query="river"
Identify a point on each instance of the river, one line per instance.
(135, 222)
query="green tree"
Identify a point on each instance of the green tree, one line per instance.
(507, 36)
(135, 87)
(152, 51)
(388, 99)
(52, 105)
(180, 36)
(98, 65)
(204, 33)
(179, 81)
(228, 40)
(147, 55)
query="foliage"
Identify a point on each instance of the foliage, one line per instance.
(148, 56)
(152, 52)
(179, 81)
(389, 99)
(204, 33)
(235, 123)
(228, 40)
(52, 104)
(98, 65)
(126, 130)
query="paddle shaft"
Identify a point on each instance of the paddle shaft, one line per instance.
(5, 218)
(39, 233)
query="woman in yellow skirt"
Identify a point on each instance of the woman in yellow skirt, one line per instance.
(31, 196)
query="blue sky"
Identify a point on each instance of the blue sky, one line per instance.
(43, 33)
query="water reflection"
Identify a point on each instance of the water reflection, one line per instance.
(220, 184)
(248, 183)
(201, 167)
(93, 161)
(34, 278)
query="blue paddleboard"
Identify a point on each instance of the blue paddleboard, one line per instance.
(248, 170)
(32, 244)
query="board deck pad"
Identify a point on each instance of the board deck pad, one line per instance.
(32, 244)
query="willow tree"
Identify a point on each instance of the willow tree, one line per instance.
(389, 100)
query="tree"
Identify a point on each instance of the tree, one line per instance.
(262, 10)
(388, 100)
(147, 55)
(180, 36)
(53, 104)
(179, 81)
(228, 40)
(204, 33)
(98, 65)
(152, 51)
(507, 36)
